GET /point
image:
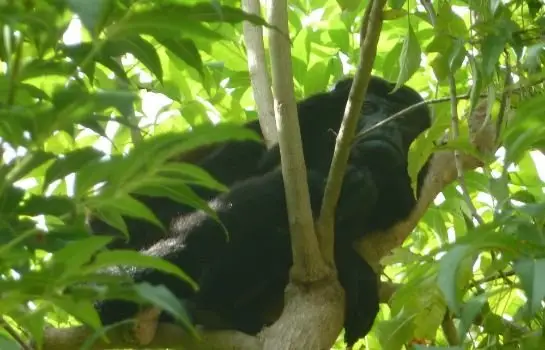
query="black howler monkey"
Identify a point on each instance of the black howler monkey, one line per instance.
(242, 279)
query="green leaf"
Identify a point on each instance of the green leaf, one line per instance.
(450, 23)
(530, 272)
(391, 66)
(213, 12)
(149, 154)
(396, 4)
(457, 55)
(143, 51)
(492, 48)
(175, 190)
(163, 298)
(51, 205)
(74, 103)
(174, 22)
(73, 256)
(318, 81)
(40, 68)
(137, 259)
(9, 199)
(126, 205)
(95, 172)
(349, 5)
(184, 49)
(524, 197)
(409, 61)
(470, 310)
(118, 99)
(448, 273)
(91, 13)
(440, 67)
(191, 174)
(440, 43)
(70, 163)
(82, 310)
(396, 331)
(390, 15)
(34, 322)
(532, 57)
(113, 219)
(341, 38)
(27, 163)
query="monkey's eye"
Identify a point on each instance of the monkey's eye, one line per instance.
(368, 107)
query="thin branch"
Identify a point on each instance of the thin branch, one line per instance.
(408, 111)
(455, 124)
(505, 97)
(490, 278)
(257, 66)
(307, 261)
(14, 334)
(455, 129)
(369, 37)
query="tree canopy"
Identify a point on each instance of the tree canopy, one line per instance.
(97, 96)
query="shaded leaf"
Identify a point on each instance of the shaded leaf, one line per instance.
(75, 255)
(185, 49)
(163, 298)
(137, 259)
(409, 60)
(69, 163)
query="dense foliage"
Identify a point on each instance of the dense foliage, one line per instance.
(96, 96)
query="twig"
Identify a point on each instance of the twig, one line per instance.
(410, 109)
(505, 97)
(491, 278)
(455, 125)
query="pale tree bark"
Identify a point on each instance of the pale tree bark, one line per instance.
(369, 35)
(257, 66)
(307, 262)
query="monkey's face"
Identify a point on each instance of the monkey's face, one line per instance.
(389, 139)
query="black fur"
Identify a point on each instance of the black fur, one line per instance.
(242, 280)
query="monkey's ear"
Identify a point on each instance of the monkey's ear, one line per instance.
(343, 86)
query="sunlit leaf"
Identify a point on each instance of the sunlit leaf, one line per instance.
(409, 60)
